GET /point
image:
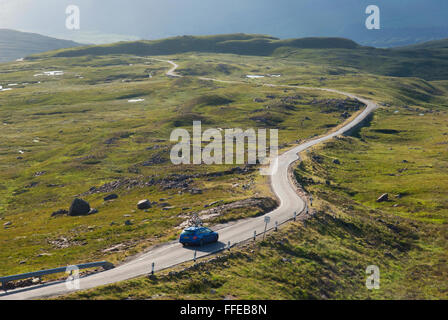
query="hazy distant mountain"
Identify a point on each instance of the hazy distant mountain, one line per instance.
(403, 22)
(16, 44)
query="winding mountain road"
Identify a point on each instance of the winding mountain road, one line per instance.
(173, 253)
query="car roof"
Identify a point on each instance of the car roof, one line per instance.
(195, 228)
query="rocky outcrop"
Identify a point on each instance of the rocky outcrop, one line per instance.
(259, 205)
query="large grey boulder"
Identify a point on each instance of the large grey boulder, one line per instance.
(79, 207)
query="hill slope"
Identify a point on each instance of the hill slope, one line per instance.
(435, 44)
(16, 44)
(259, 45)
(429, 64)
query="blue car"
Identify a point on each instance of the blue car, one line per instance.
(198, 236)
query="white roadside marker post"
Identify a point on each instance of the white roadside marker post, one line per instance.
(152, 268)
(195, 253)
(276, 226)
(267, 219)
(255, 235)
(228, 245)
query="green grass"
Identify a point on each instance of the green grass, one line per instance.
(82, 132)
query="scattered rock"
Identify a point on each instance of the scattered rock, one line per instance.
(336, 161)
(93, 211)
(63, 242)
(345, 115)
(144, 204)
(384, 197)
(128, 223)
(40, 173)
(60, 212)
(116, 248)
(45, 254)
(7, 224)
(79, 207)
(196, 191)
(317, 158)
(111, 197)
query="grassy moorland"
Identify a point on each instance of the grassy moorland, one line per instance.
(64, 135)
(78, 134)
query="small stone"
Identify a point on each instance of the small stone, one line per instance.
(336, 161)
(128, 223)
(93, 211)
(60, 212)
(7, 224)
(144, 204)
(45, 254)
(384, 197)
(111, 197)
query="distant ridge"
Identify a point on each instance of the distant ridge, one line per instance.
(17, 44)
(244, 44)
(434, 44)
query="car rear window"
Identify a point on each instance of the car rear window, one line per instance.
(189, 232)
